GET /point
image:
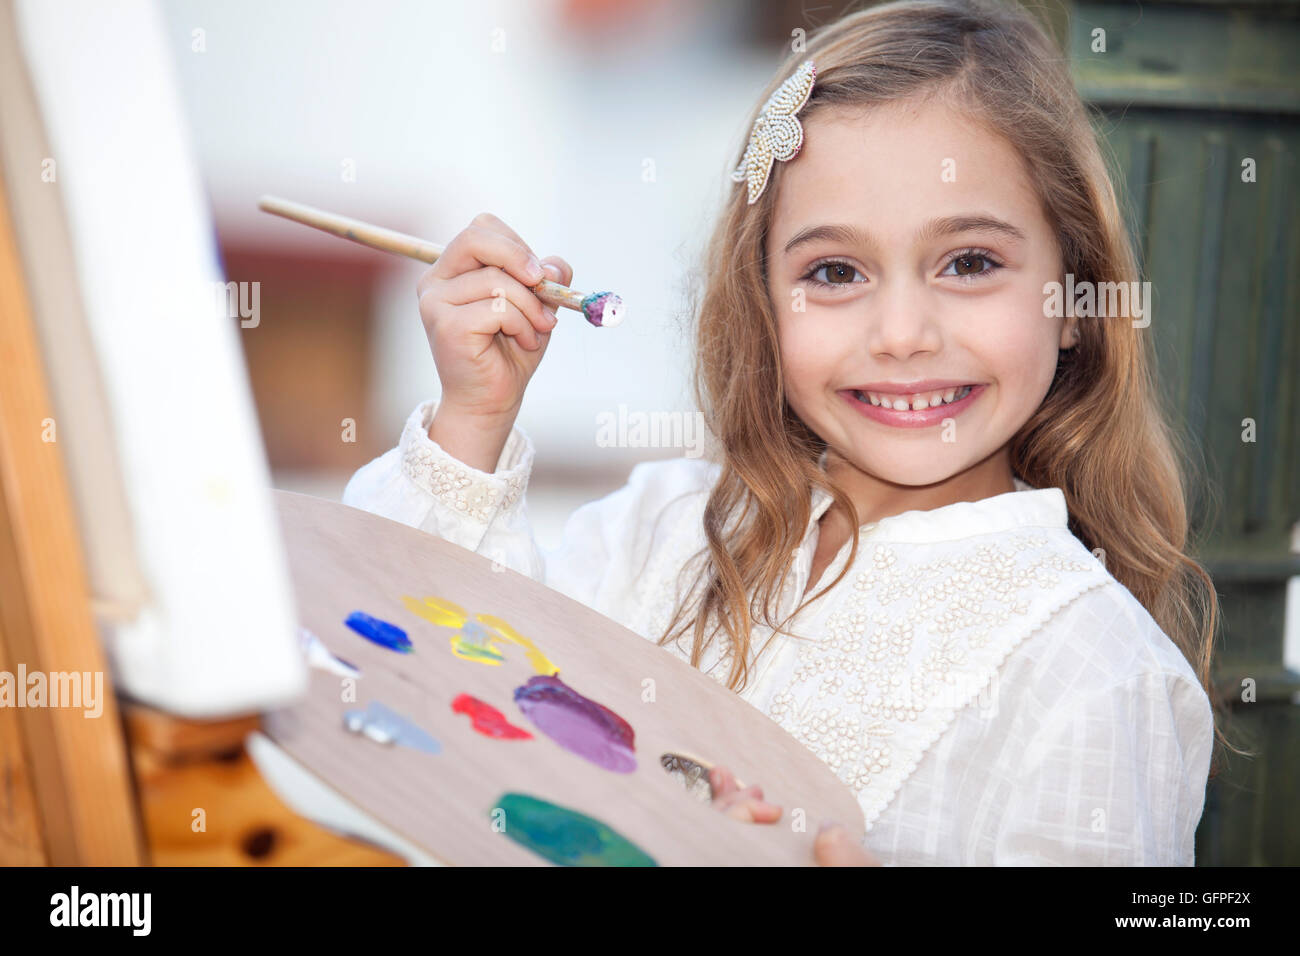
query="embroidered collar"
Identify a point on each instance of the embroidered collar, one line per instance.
(1026, 507)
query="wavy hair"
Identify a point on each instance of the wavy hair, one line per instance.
(1101, 434)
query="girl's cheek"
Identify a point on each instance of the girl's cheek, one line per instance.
(810, 339)
(1014, 325)
(801, 371)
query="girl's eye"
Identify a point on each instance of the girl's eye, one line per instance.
(837, 273)
(971, 264)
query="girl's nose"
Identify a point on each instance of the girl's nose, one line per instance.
(903, 322)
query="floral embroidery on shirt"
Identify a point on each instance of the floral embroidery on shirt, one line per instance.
(911, 644)
(467, 490)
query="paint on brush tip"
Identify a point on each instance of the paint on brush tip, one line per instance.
(604, 309)
(381, 632)
(565, 837)
(487, 720)
(578, 724)
(384, 725)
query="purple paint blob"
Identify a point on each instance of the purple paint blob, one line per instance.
(578, 724)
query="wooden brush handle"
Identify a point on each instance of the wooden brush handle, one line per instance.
(376, 237)
(388, 240)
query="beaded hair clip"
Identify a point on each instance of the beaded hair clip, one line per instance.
(777, 133)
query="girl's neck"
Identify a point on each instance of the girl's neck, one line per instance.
(874, 498)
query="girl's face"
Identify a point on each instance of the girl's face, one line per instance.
(906, 265)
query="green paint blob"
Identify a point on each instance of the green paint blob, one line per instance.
(475, 652)
(566, 837)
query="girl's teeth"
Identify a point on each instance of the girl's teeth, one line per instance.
(917, 402)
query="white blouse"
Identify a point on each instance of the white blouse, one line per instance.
(987, 690)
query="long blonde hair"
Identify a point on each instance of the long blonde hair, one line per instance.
(1100, 435)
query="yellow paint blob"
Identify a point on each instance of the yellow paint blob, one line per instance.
(535, 656)
(476, 638)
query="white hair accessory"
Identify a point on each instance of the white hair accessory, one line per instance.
(777, 133)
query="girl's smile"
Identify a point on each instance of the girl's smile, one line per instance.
(913, 404)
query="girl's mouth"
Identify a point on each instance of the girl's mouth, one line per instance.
(919, 410)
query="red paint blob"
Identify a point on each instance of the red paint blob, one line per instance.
(487, 720)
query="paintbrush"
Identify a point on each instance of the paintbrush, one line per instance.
(603, 309)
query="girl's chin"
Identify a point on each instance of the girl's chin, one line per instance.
(910, 474)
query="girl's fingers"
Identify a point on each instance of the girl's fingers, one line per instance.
(479, 319)
(726, 788)
(722, 782)
(753, 790)
(754, 811)
(496, 286)
(746, 805)
(496, 224)
(564, 272)
(517, 327)
(834, 847)
(486, 242)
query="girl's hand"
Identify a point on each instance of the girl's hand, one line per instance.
(746, 805)
(487, 330)
(833, 847)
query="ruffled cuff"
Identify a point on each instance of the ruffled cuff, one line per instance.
(465, 490)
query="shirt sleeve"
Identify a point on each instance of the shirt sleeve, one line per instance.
(423, 486)
(606, 543)
(1117, 778)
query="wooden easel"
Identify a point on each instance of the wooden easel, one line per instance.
(117, 790)
(69, 794)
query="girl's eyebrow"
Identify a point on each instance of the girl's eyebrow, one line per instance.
(948, 225)
(980, 222)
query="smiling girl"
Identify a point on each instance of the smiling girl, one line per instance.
(943, 542)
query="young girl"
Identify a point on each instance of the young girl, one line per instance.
(944, 540)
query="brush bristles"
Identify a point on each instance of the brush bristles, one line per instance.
(603, 309)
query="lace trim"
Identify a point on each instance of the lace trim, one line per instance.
(467, 490)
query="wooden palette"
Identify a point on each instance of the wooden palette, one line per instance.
(344, 560)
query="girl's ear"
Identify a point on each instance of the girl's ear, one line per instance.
(1069, 335)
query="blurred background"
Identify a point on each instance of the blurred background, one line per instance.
(583, 125)
(603, 132)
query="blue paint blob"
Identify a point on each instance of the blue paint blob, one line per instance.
(381, 632)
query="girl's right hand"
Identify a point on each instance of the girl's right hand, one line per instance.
(486, 328)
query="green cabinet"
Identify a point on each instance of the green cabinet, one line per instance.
(1200, 105)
